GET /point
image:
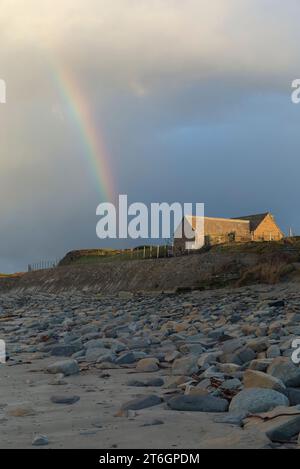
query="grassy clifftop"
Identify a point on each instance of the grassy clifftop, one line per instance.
(230, 265)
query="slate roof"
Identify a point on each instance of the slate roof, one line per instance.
(255, 220)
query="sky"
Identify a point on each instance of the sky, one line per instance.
(190, 101)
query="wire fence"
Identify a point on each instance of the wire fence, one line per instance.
(150, 252)
(43, 265)
(140, 253)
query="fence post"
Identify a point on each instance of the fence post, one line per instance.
(157, 251)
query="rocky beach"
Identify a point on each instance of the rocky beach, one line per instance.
(201, 369)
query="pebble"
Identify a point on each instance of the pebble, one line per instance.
(196, 403)
(155, 382)
(142, 402)
(40, 440)
(66, 367)
(152, 422)
(67, 400)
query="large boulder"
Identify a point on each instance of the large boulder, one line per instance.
(280, 425)
(294, 396)
(257, 400)
(147, 365)
(185, 365)
(126, 358)
(257, 379)
(259, 345)
(284, 369)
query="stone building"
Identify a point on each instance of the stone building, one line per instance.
(260, 227)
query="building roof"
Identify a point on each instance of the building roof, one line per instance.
(255, 220)
(192, 220)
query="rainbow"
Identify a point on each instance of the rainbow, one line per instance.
(81, 112)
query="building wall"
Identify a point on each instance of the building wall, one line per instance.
(222, 230)
(218, 231)
(267, 231)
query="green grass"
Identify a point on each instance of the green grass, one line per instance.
(138, 253)
(262, 247)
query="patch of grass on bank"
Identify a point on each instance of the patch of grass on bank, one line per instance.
(138, 253)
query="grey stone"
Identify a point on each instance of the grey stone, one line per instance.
(118, 347)
(142, 402)
(294, 396)
(94, 343)
(67, 367)
(79, 354)
(147, 365)
(231, 384)
(208, 359)
(106, 358)
(154, 382)
(277, 304)
(216, 334)
(67, 400)
(190, 348)
(273, 351)
(40, 440)
(245, 355)
(257, 379)
(126, 359)
(152, 422)
(232, 418)
(194, 403)
(232, 345)
(283, 429)
(92, 354)
(261, 364)
(185, 365)
(69, 337)
(284, 369)
(257, 400)
(171, 356)
(258, 345)
(64, 350)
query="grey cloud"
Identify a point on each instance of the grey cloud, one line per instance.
(191, 97)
